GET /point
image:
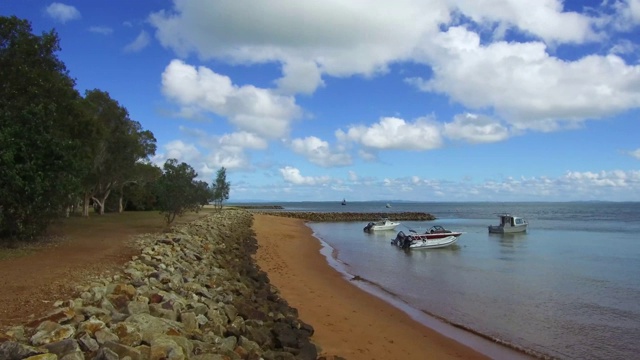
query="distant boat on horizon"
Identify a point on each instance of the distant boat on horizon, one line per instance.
(344, 201)
(388, 205)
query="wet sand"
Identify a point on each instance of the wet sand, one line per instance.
(348, 321)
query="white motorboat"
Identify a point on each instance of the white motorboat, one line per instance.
(509, 224)
(421, 241)
(383, 224)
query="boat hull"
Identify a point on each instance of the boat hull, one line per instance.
(498, 229)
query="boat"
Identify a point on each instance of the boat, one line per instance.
(437, 232)
(415, 241)
(344, 201)
(388, 205)
(509, 224)
(383, 224)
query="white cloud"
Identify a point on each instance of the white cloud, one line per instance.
(627, 14)
(300, 77)
(395, 133)
(526, 86)
(544, 18)
(62, 12)
(251, 109)
(635, 153)
(140, 42)
(182, 151)
(104, 30)
(293, 176)
(324, 35)
(475, 128)
(353, 177)
(318, 152)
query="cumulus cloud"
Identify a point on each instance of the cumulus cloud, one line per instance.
(62, 13)
(332, 42)
(635, 154)
(318, 152)
(395, 133)
(627, 14)
(300, 77)
(475, 128)
(292, 175)
(525, 85)
(546, 19)
(139, 43)
(529, 88)
(251, 109)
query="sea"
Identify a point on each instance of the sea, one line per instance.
(568, 288)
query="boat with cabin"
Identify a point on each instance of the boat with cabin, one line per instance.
(383, 224)
(509, 224)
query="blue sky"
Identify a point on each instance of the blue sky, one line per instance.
(424, 100)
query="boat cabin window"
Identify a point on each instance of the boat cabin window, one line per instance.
(519, 222)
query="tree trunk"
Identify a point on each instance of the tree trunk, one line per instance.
(120, 206)
(85, 204)
(102, 202)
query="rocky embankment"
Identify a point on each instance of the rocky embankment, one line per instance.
(194, 293)
(349, 216)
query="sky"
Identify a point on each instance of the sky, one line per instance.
(417, 100)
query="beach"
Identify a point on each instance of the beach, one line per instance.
(348, 321)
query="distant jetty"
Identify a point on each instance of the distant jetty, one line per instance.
(349, 216)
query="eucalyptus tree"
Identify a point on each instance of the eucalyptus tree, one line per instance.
(40, 136)
(221, 188)
(119, 143)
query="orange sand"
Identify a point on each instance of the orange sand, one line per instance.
(348, 321)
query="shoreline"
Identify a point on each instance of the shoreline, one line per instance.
(303, 268)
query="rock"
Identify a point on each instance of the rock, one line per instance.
(192, 293)
(11, 350)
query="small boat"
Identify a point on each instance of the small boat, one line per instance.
(437, 232)
(421, 241)
(509, 224)
(344, 201)
(383, 224)
(388, 205)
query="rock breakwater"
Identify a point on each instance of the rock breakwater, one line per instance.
(350, 216)
(193, 293)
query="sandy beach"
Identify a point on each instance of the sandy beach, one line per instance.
(348, 321)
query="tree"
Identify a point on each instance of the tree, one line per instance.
(176, 190)
(118, 144)
(40, 131)
(221, 188)
(137, 193)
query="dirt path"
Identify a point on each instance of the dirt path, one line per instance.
(30, 284)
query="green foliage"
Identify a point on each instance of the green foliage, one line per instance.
(118, 144)
(140, 193)
(221, 188)
(177, 190)
(40, 136)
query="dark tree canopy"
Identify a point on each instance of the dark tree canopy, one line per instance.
(177, 190)
(40, 139)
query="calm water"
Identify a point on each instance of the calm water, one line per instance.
(569, 288)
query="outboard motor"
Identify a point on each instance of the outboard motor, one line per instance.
(368, 227)
(399, 240)
(402, 241)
